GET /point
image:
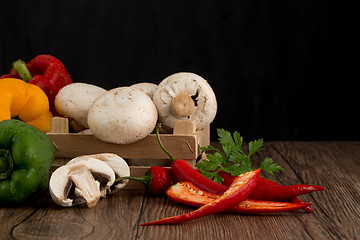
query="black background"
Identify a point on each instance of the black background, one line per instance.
(275, 66)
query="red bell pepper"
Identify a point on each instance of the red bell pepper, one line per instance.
(44, 71)
(238, 191)
(188, 194)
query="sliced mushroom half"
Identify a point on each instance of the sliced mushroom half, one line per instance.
(80, 182)
(185, 96)
(117, 164)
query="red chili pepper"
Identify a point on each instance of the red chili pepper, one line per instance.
(272, 191)
(238, 191)
(228, 178)
(44, 71)
(297, 200)
(185, 172)
(156, 180)
(266, 189)
(187, 193)
(269, 190)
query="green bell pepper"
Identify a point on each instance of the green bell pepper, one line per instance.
(26, 155)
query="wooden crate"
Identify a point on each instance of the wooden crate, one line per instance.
(182, 143)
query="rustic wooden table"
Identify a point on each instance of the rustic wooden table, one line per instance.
(334, 165)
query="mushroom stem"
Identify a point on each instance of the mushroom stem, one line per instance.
(183, 105)
(158, 126)
(84, 182)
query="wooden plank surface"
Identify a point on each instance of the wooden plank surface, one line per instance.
(71, 145)
(183, 143)
(334, 165)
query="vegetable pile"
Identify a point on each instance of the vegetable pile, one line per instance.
(27, 93)
(44, 71)
(226, 181)
(248, 193)
(237, 192)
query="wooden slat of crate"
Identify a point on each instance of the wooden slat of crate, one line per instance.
(183, 143)
(70, 145)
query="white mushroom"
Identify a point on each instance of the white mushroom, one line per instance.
(74, 101)
(148, 88)
(117, 164)
(122, 115)
(185, 96)
(90, 179)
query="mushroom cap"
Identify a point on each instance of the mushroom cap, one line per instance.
(122, 115)
(117, 164)
(74, 101)
(180, 85)
(90, 178)
(148, 88)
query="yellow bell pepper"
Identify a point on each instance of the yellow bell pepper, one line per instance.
(26, 102)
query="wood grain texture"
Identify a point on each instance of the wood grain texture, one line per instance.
(183, 143)
(88, 144)
(334, 165)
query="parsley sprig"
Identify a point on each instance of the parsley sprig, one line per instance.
(233, 159)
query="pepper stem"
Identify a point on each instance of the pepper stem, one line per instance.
(138, 179)
(146, 180)
(21, 68)
(6, 164)
(158, 126)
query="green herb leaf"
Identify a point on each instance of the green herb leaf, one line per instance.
(211, 148)
(255, 146)
(238, 140)
(269, 166)
(213, 176)
(226, 141)
(235, 169)
(238, 157)
(235, 161)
